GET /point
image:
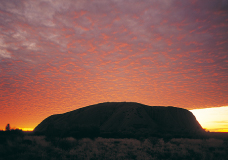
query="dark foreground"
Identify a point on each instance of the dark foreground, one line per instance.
(24, 146)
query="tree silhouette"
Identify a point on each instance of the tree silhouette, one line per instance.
(8, 127)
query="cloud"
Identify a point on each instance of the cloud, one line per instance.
(226, 122)
(5, 54)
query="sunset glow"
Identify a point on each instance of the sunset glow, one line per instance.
(213, 119)
(26, 129)
(60, 55)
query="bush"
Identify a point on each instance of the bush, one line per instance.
(40, 147)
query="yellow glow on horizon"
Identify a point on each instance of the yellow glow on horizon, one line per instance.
(213, 119)
(26, 129)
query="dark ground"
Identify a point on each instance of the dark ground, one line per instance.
(18, 145)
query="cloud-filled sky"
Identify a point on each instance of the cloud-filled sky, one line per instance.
(59, 55)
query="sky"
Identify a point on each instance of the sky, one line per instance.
(212, 119)
(60, 55)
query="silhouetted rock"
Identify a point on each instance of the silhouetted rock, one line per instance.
(121, 119)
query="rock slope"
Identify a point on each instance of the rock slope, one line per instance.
(121, 118)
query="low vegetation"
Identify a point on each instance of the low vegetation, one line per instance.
(17, 146)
